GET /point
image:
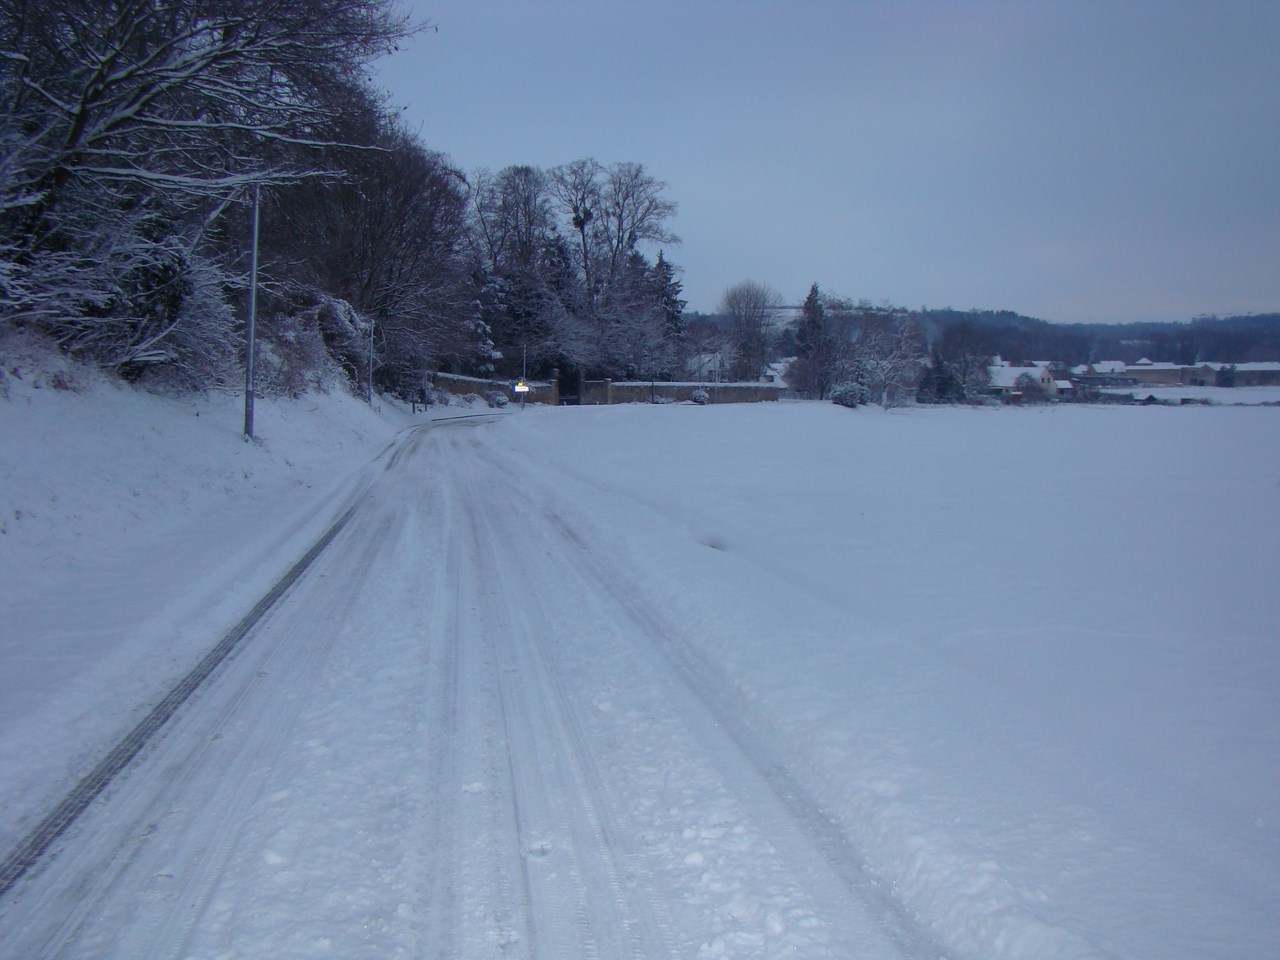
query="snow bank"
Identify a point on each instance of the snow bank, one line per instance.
(127, 522)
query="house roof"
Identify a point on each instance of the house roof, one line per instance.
(1146, 364)
(1004, 376)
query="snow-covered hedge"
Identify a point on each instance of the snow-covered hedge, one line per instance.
(849, 394)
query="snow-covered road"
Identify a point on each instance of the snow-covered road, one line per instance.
(465, 731)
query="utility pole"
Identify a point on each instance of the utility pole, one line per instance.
(253, 316)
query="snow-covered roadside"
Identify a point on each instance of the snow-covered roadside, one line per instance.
(1027, 658)
(134, 530)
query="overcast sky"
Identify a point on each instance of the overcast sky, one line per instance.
(1070, 160)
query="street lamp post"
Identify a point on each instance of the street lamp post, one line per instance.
(253, 316)
(369, 392)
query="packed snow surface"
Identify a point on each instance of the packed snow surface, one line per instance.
(767, 680)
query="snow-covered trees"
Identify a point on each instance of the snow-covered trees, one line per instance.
(563, 275)
(666, 289)
(134, 132)
(131, 126)
(389, 239)
(522, 266)
(861, 352)
(886, 353)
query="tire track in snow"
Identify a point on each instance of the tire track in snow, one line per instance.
(635, 924)
(265, 740)
(151, 813)
(36, 844)
(437, 854)
(41, 838)
(729, 714)
(579, 903)
(485, 887)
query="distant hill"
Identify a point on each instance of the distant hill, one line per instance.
(1235, 339)
(1250, 338)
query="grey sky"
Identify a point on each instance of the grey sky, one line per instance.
(1071, 160)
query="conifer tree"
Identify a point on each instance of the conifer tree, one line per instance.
(667, 290)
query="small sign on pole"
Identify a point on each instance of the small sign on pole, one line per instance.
(521, 388)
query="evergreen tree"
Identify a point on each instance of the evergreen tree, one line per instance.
(939, 384)
(815, 348)
(667, 290)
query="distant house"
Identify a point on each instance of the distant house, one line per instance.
(1148, 372)
(1205, 374)
(777, 373)
(1005, 380)
(1103, 368)
(1257, 374)
(1202, 375)
(1102, 373)
(710, 367)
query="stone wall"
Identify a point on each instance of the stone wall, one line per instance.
(644, 391)
(539, 391)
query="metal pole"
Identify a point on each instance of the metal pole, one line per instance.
(369, 395)
(253, 316)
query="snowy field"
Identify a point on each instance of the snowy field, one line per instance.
(1018, 665)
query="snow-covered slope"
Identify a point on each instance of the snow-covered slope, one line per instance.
(1026, 659)
(132, 529)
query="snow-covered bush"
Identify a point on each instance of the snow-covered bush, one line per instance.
(204, 348)
(698, 396)
(849, 394)
(296, 348)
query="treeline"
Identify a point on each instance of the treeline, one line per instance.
(1236, 339)
(860, 352)
(137, 133)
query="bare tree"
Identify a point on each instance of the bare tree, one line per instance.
(576, 188)
(612, 211)
(523, 265)
(511, 218)
(752, 311)
(633, 211)
(390, 240)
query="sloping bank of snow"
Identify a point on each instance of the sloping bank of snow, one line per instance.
(127, 525)
(1027, 658)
